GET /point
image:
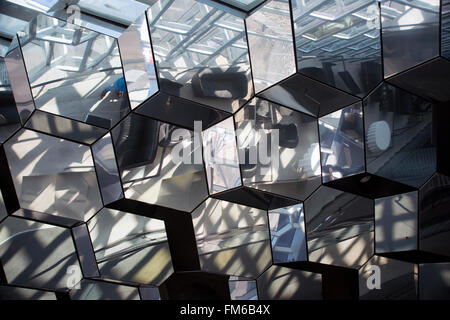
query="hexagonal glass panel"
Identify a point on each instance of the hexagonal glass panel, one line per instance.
(53, 176)
(271, 46)
(342, 143)
(339, 228)
(137, 58)
(160, 163)
(410, 33)
(130, 248)
(338, 42)
(38, 255)
(74, 72)
(398, 132)
(287, 234)
(201, 53)
(396, 223)
(278, 149)
(232, 239)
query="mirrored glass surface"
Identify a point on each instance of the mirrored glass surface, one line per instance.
(107, 171)
(398, 132)
(434, 219)
(278, 149)
(232, 239)
(342, 143)
(280, 283)
(410, 32)
(445, 28)
(130, 248)
(3, 212)
(308, 96)
(53, 175)
(38, 255)
(149, 293)
(221, 157)
(241, 289)
(245, 5)
(100, 290)
(74, 72)
(201, 53)
(287, 234)
(85, 251)
(434, 281)
(397, 281)
(338, 42)
(19, 84)
(160, 163)
(137, 58)
(270, 40)
(339, 228)
(16, 293)
(396, 223)
(9, 118)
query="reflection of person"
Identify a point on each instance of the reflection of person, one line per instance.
(118, 88)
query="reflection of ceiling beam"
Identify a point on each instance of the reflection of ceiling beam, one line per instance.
(16, 11)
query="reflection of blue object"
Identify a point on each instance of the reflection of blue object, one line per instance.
(117, 86)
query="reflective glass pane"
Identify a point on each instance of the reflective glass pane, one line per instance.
(3, 212)
(287, 234)
(397, 281)
(130, 248)
(342, 143)
(278, 149)
(279, 283)
(85, 251)
(99, 290)
(201, 53)
(19, 84)
(74, 72)
(396, 223)
(160, 163)
(398, 132)
(231, 239)
(434, 281)
(410, 33)
(53, 176)
(246, 5)
(270, 41)
(137, 58)
(221, 158)
(15, 293)
(9, 118)
(434, 220)
(38, 255)
(445, 29)
(339, 228)
(149, 293)
(241, 289)
(107, 172)
(338, 42)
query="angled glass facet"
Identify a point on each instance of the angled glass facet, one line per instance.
(9, 118)
(149, 293)
(3, 211)
(287, 234)
(445, 28)
(100, 290)
(280, 283)
(160, 163)
(130, 248)
(85, 251)
(410, 32)
(434, 215)
(339, 228)
(398, 132)
(398, 280)
(38, 255)
(221, 157)
(74, 72)
(342, 143)
(53, 175)
(434, 281)
(137, 58)
(201, 53)
(232, 239)
(242, 289)
(338, 42)
(278, 149)
(17, 293)
(396, 223)
(245, 5)
(107, 171)
(271, 46)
